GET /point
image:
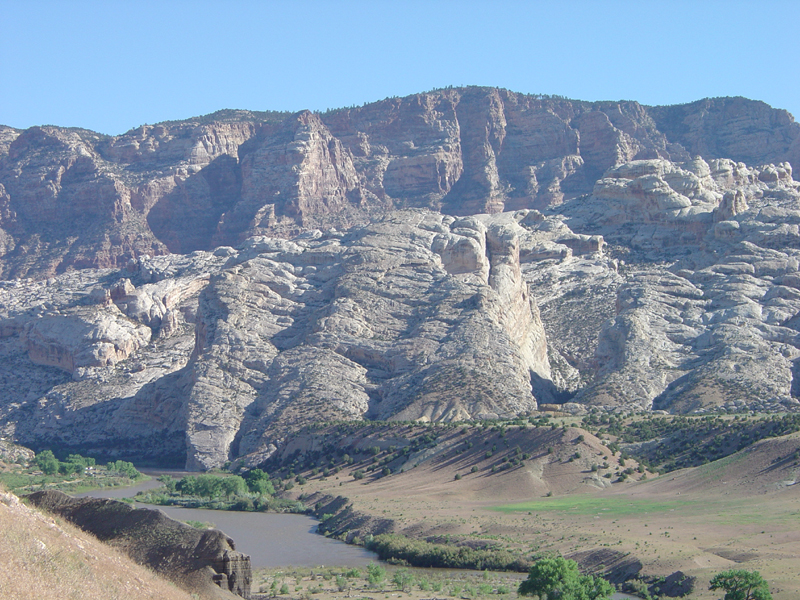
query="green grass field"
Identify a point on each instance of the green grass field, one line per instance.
(594, 505)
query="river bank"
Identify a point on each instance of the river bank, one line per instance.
(271, 539)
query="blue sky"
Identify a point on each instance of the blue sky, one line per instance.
(112, 65)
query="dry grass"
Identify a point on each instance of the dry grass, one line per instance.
(44, 558)
(740, 512)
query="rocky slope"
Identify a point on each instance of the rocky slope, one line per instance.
(460, 254)
(418, 316)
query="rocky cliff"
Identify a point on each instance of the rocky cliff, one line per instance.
(72, 198)
(216, 355)
(197, 289)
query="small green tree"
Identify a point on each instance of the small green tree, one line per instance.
(68, 468)
(375, 575)
(233, 486)
(209, 486)
(403, 579)
(739, 584)
(84, 461)
(258, 482)
(559, 579)
(169, 483)
(47, 462)
(187, 486)
(122, 467)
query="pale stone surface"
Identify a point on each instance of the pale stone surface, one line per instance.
(602, 255)
(375, 323)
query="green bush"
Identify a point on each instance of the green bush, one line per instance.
(123, 468)
(403, 579)
(47, 462)
(559, 578)
(375, 575)
(425, 554)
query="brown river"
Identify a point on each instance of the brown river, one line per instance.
(271, 539)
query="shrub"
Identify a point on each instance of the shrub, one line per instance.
(375, 574)
(403, 579)
(559, 578)
(426, 554)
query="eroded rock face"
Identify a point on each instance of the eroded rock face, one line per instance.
(83, 338)
(374, 324)
(73, 198)
(663, 272)
(702, 314)
(424, 316)
(401, 319)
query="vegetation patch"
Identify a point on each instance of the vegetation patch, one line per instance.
(667, 443)
(73, 474)
(419, 553)
(597, 505)
(378, 580)
(254, 492)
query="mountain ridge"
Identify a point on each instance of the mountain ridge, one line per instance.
(197, 290)
(194, 184)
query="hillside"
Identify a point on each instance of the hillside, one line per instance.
(191, 292)
(46, 558)
(681, 527)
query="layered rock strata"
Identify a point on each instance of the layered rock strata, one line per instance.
(417, 316)
(72, 198)
(662, 271)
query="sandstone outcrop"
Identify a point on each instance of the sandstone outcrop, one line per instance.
(198, 289)
(196, 560)
(72, 198)
(702, 315)
(218, 355)
(83, 338)
(734, 128)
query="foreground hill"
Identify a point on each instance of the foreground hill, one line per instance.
(194, 291)
(45, 559)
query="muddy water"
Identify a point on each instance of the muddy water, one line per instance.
(271, 539)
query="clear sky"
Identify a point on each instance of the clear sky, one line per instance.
(112, 65)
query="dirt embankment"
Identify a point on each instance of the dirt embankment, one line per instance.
(46, 558)
(203, 562)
